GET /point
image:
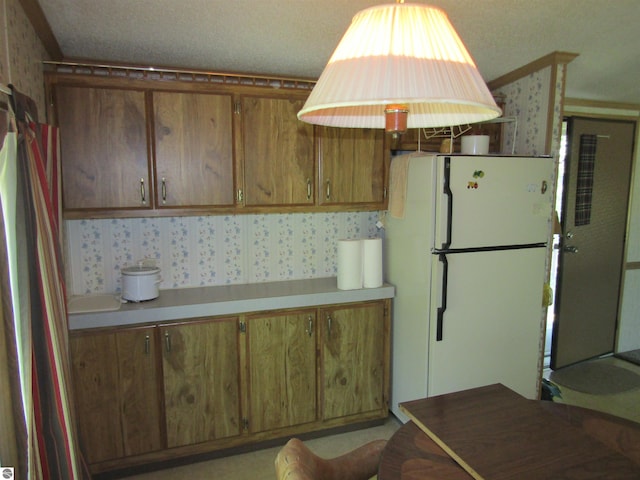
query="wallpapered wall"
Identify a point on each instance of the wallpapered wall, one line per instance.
(21, 54)
(527, 100)
(210, 250)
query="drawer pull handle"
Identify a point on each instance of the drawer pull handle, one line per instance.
(167, 342)
(310, 327)
(143, 195)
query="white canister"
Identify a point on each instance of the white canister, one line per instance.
(475, 144)
(140, 283)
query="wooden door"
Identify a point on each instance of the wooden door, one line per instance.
(201, 380)
(193, 149)
(282, 369)
(352, 166)
(353, 358)
(116, 393)
(278, 153)
(594, 217)
(103, 141)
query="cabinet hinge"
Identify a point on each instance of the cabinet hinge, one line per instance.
(239, 195)
(245, 424)
(237, 108)
(242, 326)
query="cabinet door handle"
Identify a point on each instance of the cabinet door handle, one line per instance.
(164, 190)
(143, 195)
(310, 327)
(167, 342)
(308, 188)
(147, 344)
(329, 321)
(328, 189)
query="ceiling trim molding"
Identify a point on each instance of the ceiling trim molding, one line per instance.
(34, 13)
(136, 72)
(578, 102)
(552, 59)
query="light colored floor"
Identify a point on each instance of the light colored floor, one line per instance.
(625, 404)
(259, 465)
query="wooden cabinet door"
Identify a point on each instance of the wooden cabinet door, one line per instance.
(282, 369)
(278, 153)
(201, 380)
(193, 149)
(353, 359)
(116, 393)
(103, 142)
(352, 166)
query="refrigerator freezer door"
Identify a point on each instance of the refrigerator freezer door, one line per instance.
(492, 325)
(493, 201)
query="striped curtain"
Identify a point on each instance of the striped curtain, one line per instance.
(51, 429)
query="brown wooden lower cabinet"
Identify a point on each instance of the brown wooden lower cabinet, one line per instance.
(281, 353)
(159, 392)
(353, 369)
(200, 365)
(116, 393)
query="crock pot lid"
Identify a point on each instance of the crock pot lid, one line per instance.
(140, 270)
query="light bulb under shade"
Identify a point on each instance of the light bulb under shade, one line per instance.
(438, 81)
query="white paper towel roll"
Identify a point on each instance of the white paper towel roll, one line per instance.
(349, 264)
(372, 262)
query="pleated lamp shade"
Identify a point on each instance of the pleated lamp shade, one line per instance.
(400, 57)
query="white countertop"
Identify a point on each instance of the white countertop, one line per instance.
(196, 302)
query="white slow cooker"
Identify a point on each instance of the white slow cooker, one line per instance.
(140, 283)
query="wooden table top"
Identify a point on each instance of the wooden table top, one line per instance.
(493, 433)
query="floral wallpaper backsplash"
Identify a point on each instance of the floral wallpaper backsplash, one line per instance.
(210, 250)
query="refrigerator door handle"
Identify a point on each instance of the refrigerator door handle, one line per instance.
(443, 302)
(449, 194)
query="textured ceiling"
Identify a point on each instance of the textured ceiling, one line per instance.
(297, 37)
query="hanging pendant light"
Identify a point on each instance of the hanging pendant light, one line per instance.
(399, 66)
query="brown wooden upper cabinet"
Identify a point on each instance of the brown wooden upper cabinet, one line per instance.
(193, 134)
(103, 140)
(352, 166)
(278, 152)
(138, 148)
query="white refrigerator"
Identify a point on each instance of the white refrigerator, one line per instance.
(468, 260)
